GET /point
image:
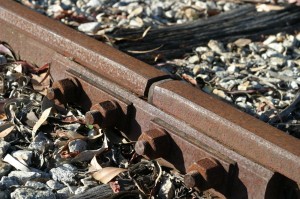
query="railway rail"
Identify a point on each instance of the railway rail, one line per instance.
(216, 145)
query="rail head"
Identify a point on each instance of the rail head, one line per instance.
(235, 129)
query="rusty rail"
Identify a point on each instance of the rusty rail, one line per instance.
(216, 145)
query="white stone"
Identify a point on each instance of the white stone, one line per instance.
(277, 47)
(269, 40)
(90, 27)
(193, 59)
(202, 49)
(294, 85)
(232, 69)
(94, 3)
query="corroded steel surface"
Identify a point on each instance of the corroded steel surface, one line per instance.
(235, 129)
(251, 154)
(115, 65)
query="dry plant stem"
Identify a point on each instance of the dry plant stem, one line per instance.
(283, 114)
(240, 23)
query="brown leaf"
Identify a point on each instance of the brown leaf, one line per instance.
(95, 166)
(189, 79)
(107, 174)
(40, 122)
(69, 134)
(6, 129)
(165, 163)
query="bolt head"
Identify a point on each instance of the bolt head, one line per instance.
(109, 112)
(53, 93)
(142, 147)
(211, 172)
(93, 117)
(156, 140)
(193, 179)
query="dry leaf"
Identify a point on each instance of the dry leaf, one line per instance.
(69, 134)
(87, 155)
(7, 131)
(95, 166)
(40, 82)
(42, 119)
(242, 42)
(107, 174)
(165, 163)
(144, 51)
(189, 79)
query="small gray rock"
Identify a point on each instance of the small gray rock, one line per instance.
(81, 189)
(298, 36)
(269, 40)
(271, 53)
(232, 69)
(23, 155)
(277, 47)
(229, 6)
(40, 143)
(208, 56)
(36, 185)
(77, 146)
(24, 176)
(4, 168)
(294, 85)
(89, 181)
(90, 27)
(254, 47)
(202, 49)
(3, 59)
(216, 46)
(28, 193)
(55, 184)
(64, 173)
(217, 68)
(8, 182)
(65, 192)
(277, 61)
(94, 3)
(193, 59)
(4, 146)
(4, 194)
(66, 4)
(290, 63)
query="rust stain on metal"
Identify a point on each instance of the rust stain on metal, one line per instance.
(235, 129)
(105, 114)
(65, 90)
(249, 152)
(204, 174)
(152, 144)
